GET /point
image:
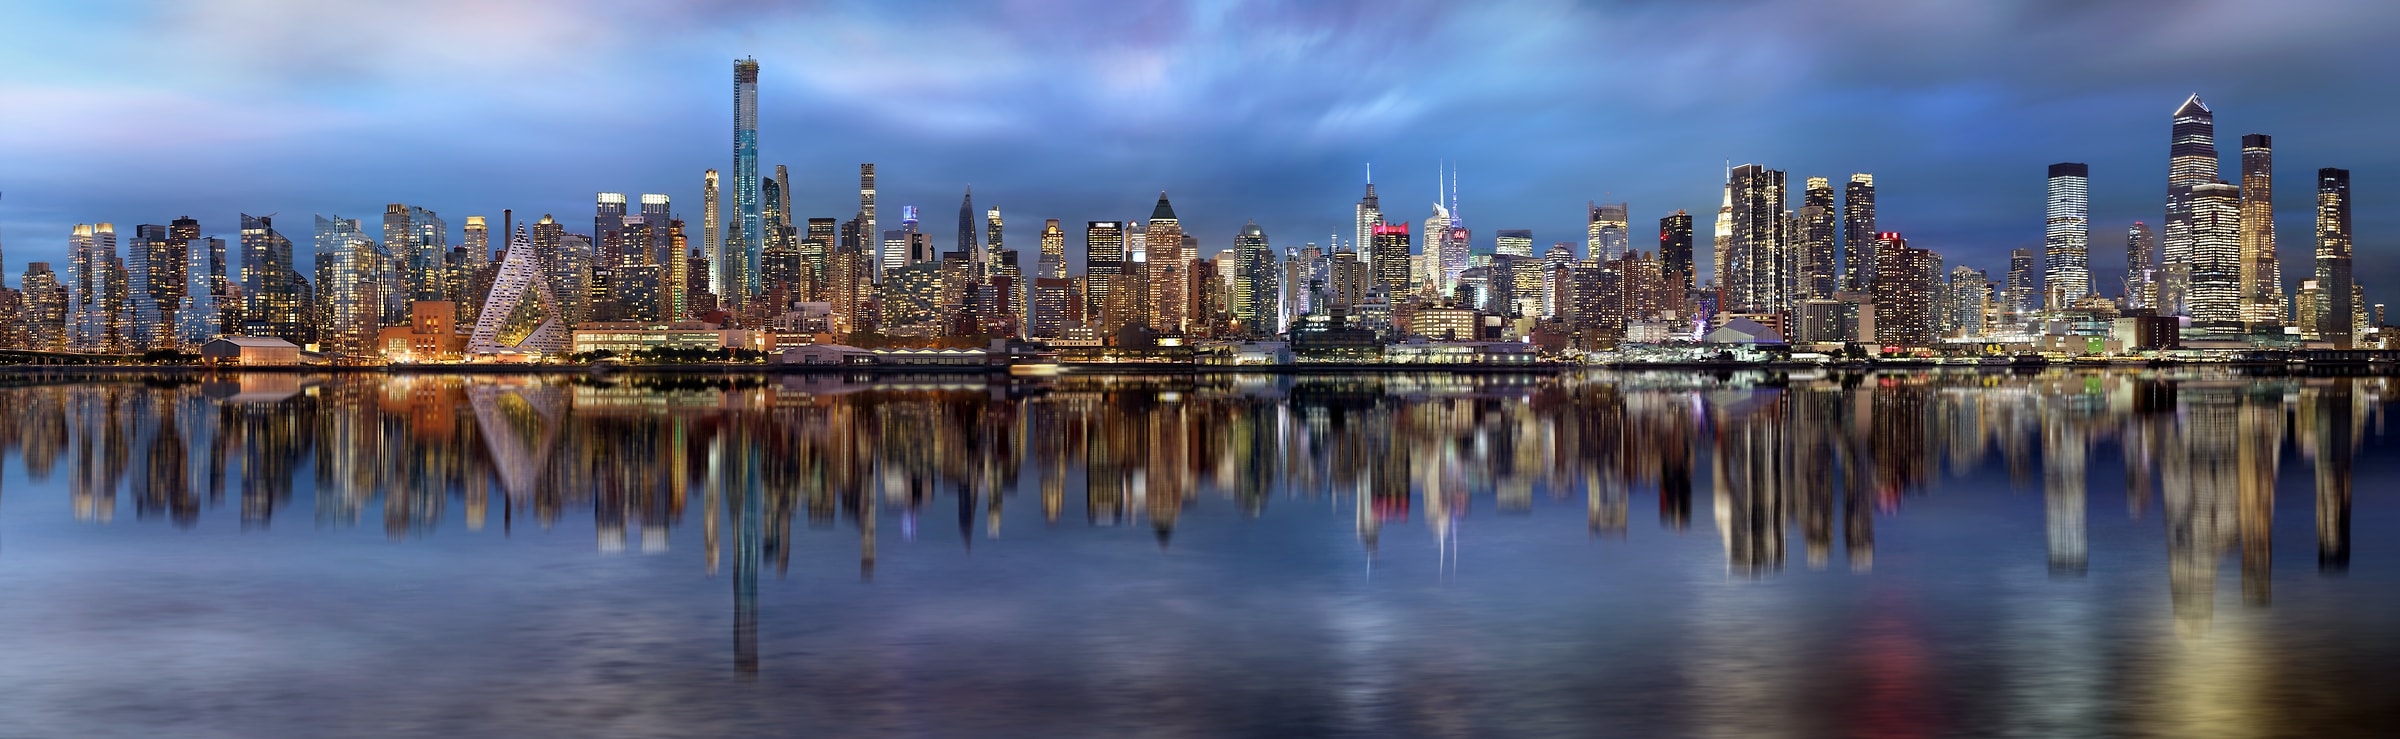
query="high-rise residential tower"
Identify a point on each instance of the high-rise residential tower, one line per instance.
(2019, 298)
(2191, 162)
(1813, 243)
(1858, 232)
(712, 236)
(2333, 257)
(2262, 274)
(743, 266)
(1254, 283)
(2067, 236)
(991, 232)
(92, 317)
(1760, 270)
(866, 213)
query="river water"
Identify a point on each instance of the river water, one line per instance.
(2179, 553)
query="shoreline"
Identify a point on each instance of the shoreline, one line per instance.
(1072, 370)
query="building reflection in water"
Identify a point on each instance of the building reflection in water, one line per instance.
(1817, 456)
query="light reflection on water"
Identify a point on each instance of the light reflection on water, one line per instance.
(1680, 553)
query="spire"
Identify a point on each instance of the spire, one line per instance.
(1163, 210)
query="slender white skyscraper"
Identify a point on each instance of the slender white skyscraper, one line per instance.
(2067, 237)
(712, 235)
(1370, 215)
(868, 237)
(2191, 162)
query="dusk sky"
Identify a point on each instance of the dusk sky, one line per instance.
(139, 112)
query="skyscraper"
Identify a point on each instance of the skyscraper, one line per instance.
(1515, 242)
(2141, 266)
(349, 297)
(92, 318)
(2067, 237)
(2262, 274)
(276, 297)
(1103, 263)
(712, 236)
(1813, 243)
(2191, 162)
(744, 264)
(1760, 271)
(866, 213)
(2213, 228)
(1675, 254)
(1167, 262)
(1904, 287)
(154, 271)
(1605, 232)
(1390, 242)
(1053, 261)
(991, 232)
(658, 211)
(968, 244)
(1369, 212)
(2020, 298)
(1858, 232)
(1254, 283)
(2333, 257)
(523, 314)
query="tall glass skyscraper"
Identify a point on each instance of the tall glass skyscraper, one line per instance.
(2333, 257)
(2067, 237)
(2213, 226)
(2191, 162)
(1858, 232)
(2262, 275)
(741, 272)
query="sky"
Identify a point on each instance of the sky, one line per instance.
(139, 112)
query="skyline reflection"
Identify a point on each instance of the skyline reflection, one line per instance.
(860, 522)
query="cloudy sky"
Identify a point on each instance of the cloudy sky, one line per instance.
(139, 112)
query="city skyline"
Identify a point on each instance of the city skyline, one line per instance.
(1972, 210)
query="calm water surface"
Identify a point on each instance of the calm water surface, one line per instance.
(2185, 553)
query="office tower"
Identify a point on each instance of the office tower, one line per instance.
(2020, 298)
(523, 313)
(712, 235)
(1390, 263)
(1813, 238)
(1904, 290)
(816, 247)
(2213, 228)
(2262, 274)
(866, 212)
(968, 243)
(2191, 162)
(1515, 242)
(1169, 307)
(1052, 264)
(1369, 212)
(1103, 261)
(1721, 246)
(276, 297)
(2333, 257)
(46, 307)
(1675, 251)
(1606, 234)
(349, 297)
(2141, 266)
(991, 231)
(1054, 307)
(2067, 236)
(742, 264)
(1760, 271)
(1858, 232)
(1256, 287)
